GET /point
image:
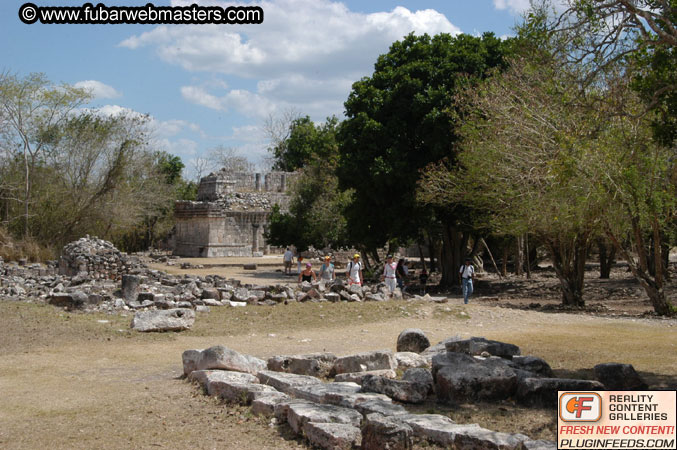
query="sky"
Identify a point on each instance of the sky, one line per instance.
(215, 85)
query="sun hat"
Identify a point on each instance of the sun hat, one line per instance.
(309, 265)
(327, 257)
(356, 255)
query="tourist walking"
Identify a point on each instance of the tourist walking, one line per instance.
(354, 271)
(287, 258)
(467, 273)
(327, 270)
(389, 274)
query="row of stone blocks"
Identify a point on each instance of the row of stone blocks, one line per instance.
(340, 414)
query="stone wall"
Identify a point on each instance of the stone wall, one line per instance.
(231, 215)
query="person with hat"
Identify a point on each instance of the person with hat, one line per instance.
(307, 274)
(327, 270)
(389, 274)
(354, 270)
(467, 273)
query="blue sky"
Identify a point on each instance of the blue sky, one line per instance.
(209, 85)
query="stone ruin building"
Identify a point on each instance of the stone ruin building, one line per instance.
(231, 214)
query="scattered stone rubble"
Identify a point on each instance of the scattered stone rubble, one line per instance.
(95, 258)
(365, 404)
(92, 275)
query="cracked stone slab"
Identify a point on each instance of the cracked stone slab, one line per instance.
(543, 391)
(220, 357)
(333, 436)
(238, 392)
(264, 405)
(177, 319)
(381, 406)
(349, 400)
(190, 359)
(381, 432)
(441, 430)
(319, 393)
(281, 409)
(298, 414)
(357, 377)
(315, 364)
(478, 345)
(362, 362)
(401, 390)
(286, 382)
(407, 360)
(204, 377)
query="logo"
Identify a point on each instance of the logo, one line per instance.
(580, 407)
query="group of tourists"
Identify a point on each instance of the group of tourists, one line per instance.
(394, 273)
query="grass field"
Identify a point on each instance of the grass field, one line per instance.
(72, 380)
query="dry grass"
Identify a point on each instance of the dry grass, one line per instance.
(74, 382)
(14, 249)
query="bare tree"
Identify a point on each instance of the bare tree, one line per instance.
(277, 128)
(31, 111)
(201, 167)
(228, 159)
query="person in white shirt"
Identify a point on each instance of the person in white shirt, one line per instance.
(327, 270)
(354, 270)
(287, 258)
(467, 273)
(389, 274)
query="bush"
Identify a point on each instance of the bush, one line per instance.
(12, 249)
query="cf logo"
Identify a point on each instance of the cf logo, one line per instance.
(580, 406)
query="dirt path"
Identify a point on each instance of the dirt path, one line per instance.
(75, 382)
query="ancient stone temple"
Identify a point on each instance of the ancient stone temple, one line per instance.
(231, 214)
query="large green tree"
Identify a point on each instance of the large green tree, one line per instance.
(315, 214)
(521, 164)
(305, 141)
(399, 120)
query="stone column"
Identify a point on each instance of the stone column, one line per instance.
(255, 237)
(257, 186)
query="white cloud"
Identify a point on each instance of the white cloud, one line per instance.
(306, 54)
(200, 96)
(296, 36)
(519, 6)
(97, 89)
(115, 110)
(243, 101)
(515, 6)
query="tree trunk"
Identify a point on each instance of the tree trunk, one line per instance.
(519, 256)
(526, 253)
(420, 254)
(569, 264)
(454, 245)
(606, 258)
(504, 265)
(653, 290)
(27, 193)
(491, 257)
